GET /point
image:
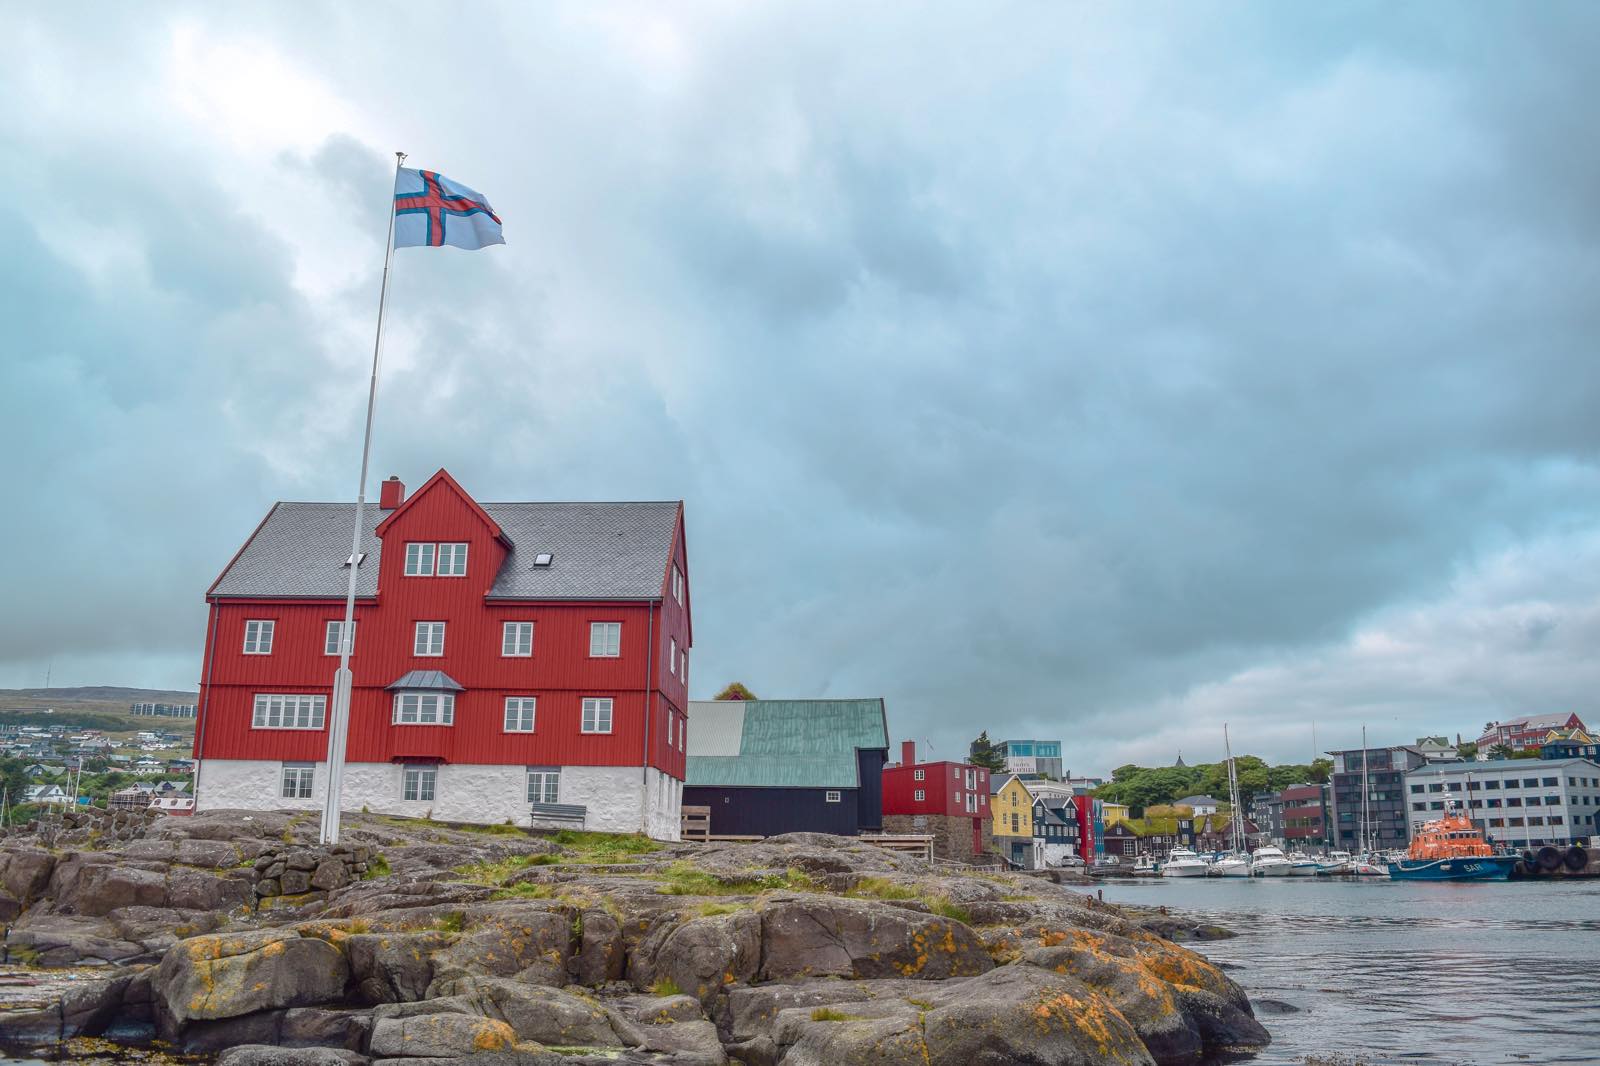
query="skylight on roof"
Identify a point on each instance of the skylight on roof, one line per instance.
(359, 559)
(543, 559)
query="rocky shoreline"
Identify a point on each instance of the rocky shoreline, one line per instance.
(230, 934)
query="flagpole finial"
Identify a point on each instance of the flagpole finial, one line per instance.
(399, 158)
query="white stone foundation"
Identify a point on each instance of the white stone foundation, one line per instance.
(619, 799)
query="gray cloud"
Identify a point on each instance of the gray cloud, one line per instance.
(1047, 372)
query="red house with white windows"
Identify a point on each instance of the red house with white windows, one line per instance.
(950, 800)
(521, 661)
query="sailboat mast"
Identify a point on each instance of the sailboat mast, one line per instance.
(1366, 790)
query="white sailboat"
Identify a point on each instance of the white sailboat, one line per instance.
(1337, 864)
(1365, 864)
(1236, 863)
(1302, 865)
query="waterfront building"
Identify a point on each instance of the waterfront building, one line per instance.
(949, 800)
(1529, 731)
(1042, 757)
(1011, 805)
(1056, 834)
(1214, 832)
(1385, 807)
(1305, 817)
(1266, 810)
(1114, 812)
(1123, 841)
(522, 662)
(1520, 803)
(766, 767)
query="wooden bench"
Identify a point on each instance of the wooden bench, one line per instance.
(918, 844)
(565, 814)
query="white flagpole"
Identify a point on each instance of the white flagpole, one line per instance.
(339, 720)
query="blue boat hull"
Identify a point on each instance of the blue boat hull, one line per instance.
(1490, 868)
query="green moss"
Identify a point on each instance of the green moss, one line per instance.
(453, 922)
(828, 1014)
(525, 890)
(604, 847)
(499, 871)
(712, 910)
(377, 866)
(682, 879)
(944, 908)
(880, 888)
(666, 986)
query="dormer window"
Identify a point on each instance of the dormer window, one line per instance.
(424, 708)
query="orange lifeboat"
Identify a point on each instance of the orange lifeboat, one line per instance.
(1451, 849)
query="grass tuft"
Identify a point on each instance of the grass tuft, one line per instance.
(377, 866)
(666, 986)
(525, 890)
(945, 908)
(452, 922)
(880, 888)
(604, 847)
(682, 879)
(828, 1014)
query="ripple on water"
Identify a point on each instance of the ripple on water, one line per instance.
(1388, 973)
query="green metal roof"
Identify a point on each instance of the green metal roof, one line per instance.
(786, 743)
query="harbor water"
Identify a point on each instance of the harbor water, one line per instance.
(1383, 972)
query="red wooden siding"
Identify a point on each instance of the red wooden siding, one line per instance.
(942, 782)
(559, 674)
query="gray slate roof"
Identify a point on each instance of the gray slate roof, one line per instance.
(433, 680)
(601, 551)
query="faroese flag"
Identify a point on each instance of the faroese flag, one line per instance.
(431, 211)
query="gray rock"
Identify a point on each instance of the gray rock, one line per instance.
(102, 888)
(215, 976)
(25, 872)
(393, 967)
(703, 955)
(302, 859)
(330, 873)
(264, 1055)
(810, 936)
(295, 882)
(439, 1035)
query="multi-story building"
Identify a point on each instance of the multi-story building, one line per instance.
(1266, 810)
(1571, 743)
(1529, 731)
(1384, 771)
(1056, 833)
(1011, 811)
(1305, 817)
(162, 710)
(1042, 757)
(508, 659)
(1437, 749)
(1201, 805)
(949, 800)
(1520, 803)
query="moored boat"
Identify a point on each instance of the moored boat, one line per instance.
(1302, 865)
(1269, 861)
(1451, 849)
(1231, 865)
(1337, 864)
(1181, 862)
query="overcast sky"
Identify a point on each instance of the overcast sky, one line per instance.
(1093, 372)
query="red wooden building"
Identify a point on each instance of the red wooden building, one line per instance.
(508, 658)
(948, 799)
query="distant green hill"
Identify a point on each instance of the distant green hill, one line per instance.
(96, 707)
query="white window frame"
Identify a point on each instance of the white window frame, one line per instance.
(520, 709)
(598, 710)
(419, 563)
(258, 633)
(671, 724)
(457, 559)
(411, 706)
(672, 656)
(832, 796)
(677, 584)
(920, 796)
(419, 648)
(512, 645)
(330, 639)
(544, 784)
(683, 734)
(297, 780)
(417, 780)
(288, 710)
(683, 665)
(919, 775)
(607, 638)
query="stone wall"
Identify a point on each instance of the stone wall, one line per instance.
(952, 835)
(79, 827)
(299, 871)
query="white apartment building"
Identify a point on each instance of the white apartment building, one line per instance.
(1521, 803)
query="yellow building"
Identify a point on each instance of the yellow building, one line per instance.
(1112, 813)
(1012, 808)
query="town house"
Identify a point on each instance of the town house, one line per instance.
(512, 662)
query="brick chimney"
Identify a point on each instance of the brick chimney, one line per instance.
(908, 752)
(392, 494)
